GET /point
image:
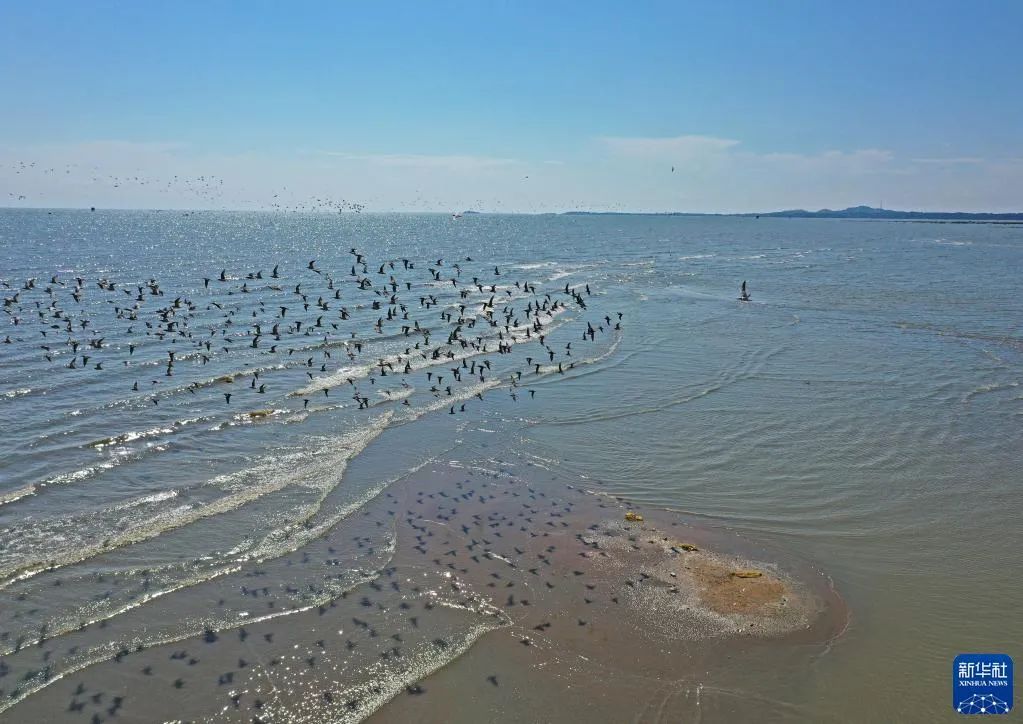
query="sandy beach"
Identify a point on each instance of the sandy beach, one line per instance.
(552, 598)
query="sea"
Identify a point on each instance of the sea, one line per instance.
(199, 476)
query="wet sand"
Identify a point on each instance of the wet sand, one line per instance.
(486, 592)
(652, 620)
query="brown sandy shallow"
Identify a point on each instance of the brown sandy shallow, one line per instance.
(490, 592)
(653, 620)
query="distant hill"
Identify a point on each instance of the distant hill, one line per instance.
(853, 212)
(869, 212)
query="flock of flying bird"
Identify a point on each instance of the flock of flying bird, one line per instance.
(443, 324)
(210, 189)
(39, 183)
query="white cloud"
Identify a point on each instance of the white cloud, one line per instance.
(454, 162)
(678, 148)
(868, 160)
(607, 173)
(951, 161)
(682, 150)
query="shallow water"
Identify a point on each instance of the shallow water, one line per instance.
(861, 416)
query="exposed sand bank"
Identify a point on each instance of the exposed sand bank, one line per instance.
(498, 593)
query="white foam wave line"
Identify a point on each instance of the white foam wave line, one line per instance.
(145, 399)
(459, 465)
(350, 342)
(148, 499)
(562, 274)
(440, 403)
(548, 370)
(239, 555)
(244, 418)
(471, 391)
(535, 459)
(10, 394)
(418, 666)
(987, 389)
(10, 496)
(81, 474)
(265, 549)
(396, 395)
(334, 379)
(341, 376)
(54, 632)
(388, 396)
(448, 294)
(302, 415)
(534, 265)
(185, 515)
(300, 533)
(136, 361)
(90, 471)
(133, 456)
(200, 384)
(249, 418)
(113, 647)
(131, 436)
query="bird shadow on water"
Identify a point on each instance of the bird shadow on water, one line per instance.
(501, 563)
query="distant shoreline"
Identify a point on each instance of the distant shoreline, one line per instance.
(865, 213)
(937, 217)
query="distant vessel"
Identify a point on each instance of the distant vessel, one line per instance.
(456, 216)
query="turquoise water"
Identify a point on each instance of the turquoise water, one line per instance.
(862, 412)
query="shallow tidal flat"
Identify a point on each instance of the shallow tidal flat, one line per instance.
(502, 593)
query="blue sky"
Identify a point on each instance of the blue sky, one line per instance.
(515, 106)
